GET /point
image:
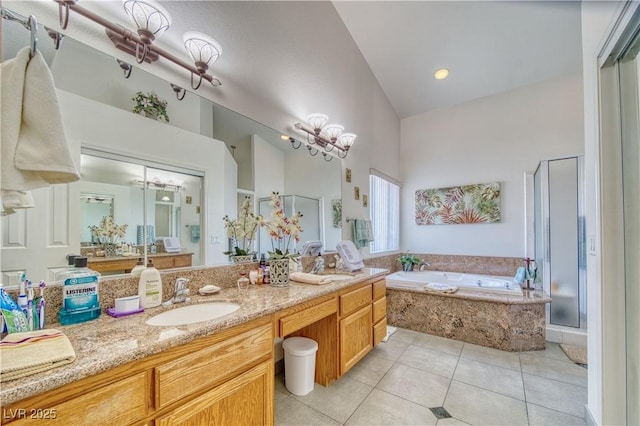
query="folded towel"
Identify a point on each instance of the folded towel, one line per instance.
(32, 352)
(35, 152)
(304, 277)
(441, 288)
(195, 233)
(362, 233)
(520, 275)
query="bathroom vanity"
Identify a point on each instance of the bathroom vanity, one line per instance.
(212, 372)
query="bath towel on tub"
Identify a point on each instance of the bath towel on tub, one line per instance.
(33, 352)
(441, 288)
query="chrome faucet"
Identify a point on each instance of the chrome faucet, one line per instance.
(181, 291)
(424, 265)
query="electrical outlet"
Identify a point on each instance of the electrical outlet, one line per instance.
(592, 245)
(215, 239)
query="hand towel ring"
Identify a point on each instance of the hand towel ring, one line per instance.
(33, 27)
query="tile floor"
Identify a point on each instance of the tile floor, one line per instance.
(405, 380)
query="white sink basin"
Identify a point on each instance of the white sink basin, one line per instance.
(191, 314)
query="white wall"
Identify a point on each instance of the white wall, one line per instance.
(597, 18)
(497, 138)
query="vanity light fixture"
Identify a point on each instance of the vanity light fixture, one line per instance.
(159, 185)
(151, 21)
(327, 136)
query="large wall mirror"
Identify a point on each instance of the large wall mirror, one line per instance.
(194, 169)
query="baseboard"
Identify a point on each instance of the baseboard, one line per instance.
(588, 417)
(563, 335)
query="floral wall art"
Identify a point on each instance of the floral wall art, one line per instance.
(479, 203)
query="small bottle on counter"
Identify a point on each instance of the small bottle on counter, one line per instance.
(243, 283)
(266, 276)
(153, 249)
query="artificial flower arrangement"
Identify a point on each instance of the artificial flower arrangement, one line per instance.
(243, 229)
(150, 105)
(108, 232)
(282, 230)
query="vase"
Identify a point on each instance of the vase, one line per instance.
(279, 269)
(110, 250)
(242, 259)
(407, 267)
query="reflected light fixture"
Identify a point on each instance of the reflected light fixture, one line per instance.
(151, 21)
(327, 136)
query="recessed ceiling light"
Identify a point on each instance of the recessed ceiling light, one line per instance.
(441, 74)
(284, 137)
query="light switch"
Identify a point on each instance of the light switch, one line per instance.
(215, 239)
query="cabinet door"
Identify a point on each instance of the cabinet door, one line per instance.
(245, 400)
(356, 337)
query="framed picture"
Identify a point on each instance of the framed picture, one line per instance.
(188, 199)
(365, 200)
(356, 192)
(337, 213)
(347, 175)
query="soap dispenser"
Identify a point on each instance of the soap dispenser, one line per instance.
(150, 287)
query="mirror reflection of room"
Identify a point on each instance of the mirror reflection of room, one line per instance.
(113, 194)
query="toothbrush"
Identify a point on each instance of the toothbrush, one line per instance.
(41, 305)
(22, 297)
(30, 306)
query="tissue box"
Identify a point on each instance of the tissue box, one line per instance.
(127, 304)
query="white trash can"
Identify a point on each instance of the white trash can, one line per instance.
(299, 364)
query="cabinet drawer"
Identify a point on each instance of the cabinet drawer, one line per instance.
(182, 261)
(301, 319)
(211, 364)
(355, 299)
(379, 331)
(379, 309)
(121, 403)
(163, 262)
(379, 288)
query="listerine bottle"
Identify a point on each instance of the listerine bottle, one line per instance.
(79, 294)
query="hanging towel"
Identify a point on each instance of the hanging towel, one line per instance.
(12, 200)
(362, 233)
(35, 152)
(195, 233)
(33, 352)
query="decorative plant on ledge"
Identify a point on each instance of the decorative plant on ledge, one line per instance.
(243, 229)
(150, 105)
(408, 261)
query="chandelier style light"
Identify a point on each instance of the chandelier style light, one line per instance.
(151, 21)
(326, 136)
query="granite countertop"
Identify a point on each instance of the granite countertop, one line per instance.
(107, 342)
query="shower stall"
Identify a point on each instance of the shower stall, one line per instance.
(559, 229)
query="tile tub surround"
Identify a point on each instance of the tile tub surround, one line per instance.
(483, 265)
(498, 321)
(107, 342)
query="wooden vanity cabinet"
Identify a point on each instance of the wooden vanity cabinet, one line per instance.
(379, 288)
(356, 320)
(225, 378)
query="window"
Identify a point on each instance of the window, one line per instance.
(384, 212)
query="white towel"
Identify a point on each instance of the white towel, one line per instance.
(304, 277)
(11, 200)
(35, 152)
(441, 288)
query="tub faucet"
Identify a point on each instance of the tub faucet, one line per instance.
(181, 291)
(424, 265)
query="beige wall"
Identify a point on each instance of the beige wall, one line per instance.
(496, 138)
